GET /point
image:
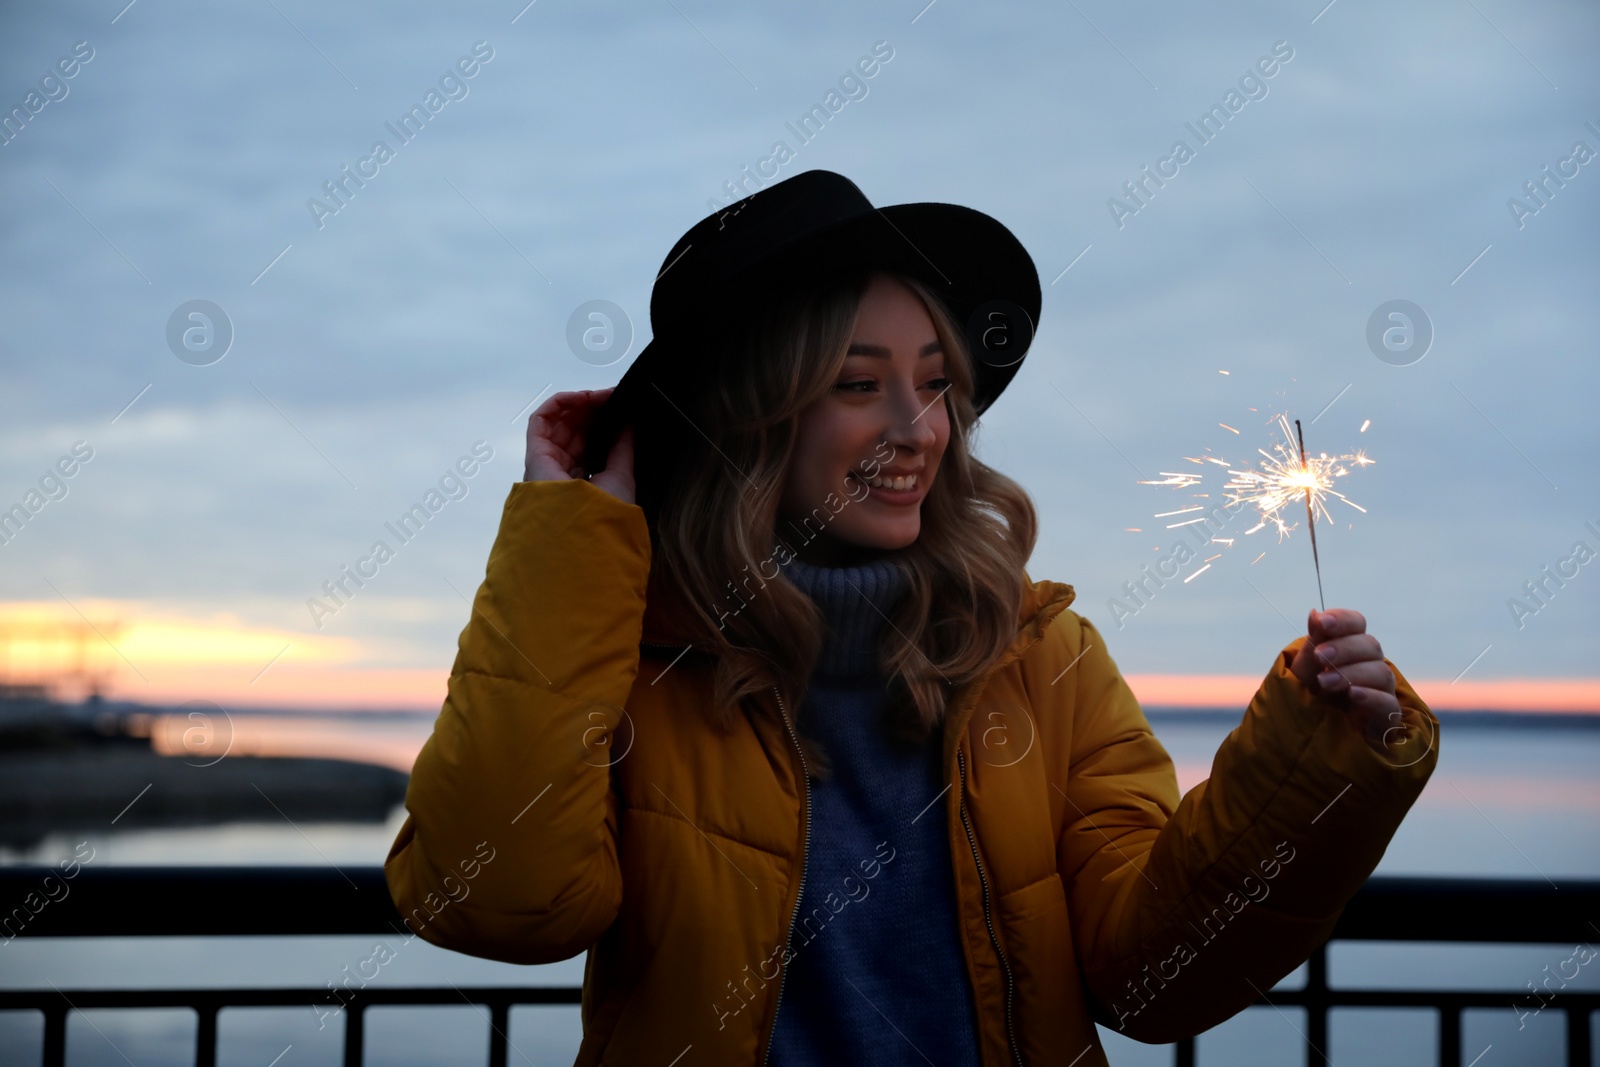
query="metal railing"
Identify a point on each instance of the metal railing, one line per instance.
(305, 901)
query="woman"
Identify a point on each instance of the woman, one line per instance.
(787, 739)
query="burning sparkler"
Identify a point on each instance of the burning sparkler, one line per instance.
(1285, 476)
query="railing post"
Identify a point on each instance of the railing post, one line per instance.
(1578, 1036)
(55, 1036)
(1449, 1036)
(499, 1032)
(1317, 1006)
(205, 1036)
(352, 1033)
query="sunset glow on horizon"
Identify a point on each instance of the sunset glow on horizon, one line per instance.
(162, 658)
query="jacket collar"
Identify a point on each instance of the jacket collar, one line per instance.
(1042, 601)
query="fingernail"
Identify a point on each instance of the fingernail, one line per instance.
(1325, 619)
(1327, 678)
(1324, 653)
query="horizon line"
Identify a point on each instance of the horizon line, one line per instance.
(330, 688)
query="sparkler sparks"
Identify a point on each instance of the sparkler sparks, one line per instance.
(1284, 478)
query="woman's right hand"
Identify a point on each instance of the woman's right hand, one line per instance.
(557, 432)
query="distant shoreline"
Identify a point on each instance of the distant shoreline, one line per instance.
(1448, 717)
(1166, 712)
(128, 787)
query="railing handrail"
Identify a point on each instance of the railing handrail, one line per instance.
(312, 901)
(317, 901)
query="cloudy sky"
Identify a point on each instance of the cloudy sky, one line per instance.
(1385, 158)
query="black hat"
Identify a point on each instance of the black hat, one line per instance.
(795, 228)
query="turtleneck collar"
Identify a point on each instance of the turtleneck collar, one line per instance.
(855, 601)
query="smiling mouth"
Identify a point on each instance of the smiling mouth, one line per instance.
(902, 488)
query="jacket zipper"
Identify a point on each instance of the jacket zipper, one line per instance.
(988, 918)
(805, 858)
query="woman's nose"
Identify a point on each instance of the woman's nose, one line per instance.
(911, 428)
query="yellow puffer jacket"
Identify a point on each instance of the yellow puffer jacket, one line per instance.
(574, 797)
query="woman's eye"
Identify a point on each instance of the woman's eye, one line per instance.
(864, 385)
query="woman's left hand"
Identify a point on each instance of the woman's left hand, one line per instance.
(1340, 657)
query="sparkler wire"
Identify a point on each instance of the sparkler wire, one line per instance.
(1311, 518)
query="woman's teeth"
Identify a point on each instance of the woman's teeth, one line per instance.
(905, 482)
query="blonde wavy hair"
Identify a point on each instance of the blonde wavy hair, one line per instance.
(720, 519)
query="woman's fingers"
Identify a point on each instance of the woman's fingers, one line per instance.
(1335, 622)
(1331, 629)
(1346, 663)
(1352, 649)
(1339, 658)
(617, 478)
(620, 459)
(556, 432)
(565, 416)
(1368, 674)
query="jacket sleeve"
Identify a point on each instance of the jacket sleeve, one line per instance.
(509, 846)
(1186, 911)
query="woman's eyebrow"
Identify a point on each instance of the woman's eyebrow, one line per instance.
(858, 349)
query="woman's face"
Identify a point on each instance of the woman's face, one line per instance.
(884, 420)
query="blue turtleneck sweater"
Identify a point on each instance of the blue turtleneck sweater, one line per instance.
(877, 974)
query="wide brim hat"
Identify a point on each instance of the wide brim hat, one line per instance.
(810, 224)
